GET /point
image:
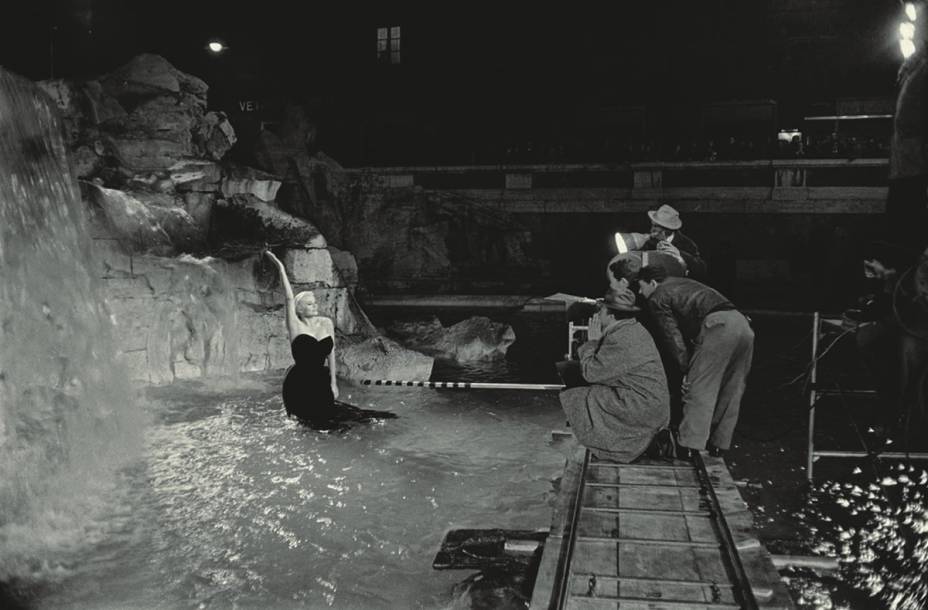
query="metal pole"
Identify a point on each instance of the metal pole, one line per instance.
(813, 397)
(464, 385)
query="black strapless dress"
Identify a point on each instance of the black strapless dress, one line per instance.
(307, 389)
(308, 385)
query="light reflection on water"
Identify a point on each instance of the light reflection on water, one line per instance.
(234, 504)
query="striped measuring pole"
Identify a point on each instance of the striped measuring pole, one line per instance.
(463, 385)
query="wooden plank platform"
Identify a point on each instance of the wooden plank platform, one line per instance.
(646, 535)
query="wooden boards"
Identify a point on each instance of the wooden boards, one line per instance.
(644, 536)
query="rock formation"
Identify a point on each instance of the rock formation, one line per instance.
(179, 232)
(473, 339)
(436, 238)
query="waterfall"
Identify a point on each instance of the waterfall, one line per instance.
(68, 419)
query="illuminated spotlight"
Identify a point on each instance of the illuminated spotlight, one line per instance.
(907, 30)
(907, 47)
(620, 244)
(910, 11)
(630, 241)
(216, 46)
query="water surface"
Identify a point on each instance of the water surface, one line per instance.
(230, 503)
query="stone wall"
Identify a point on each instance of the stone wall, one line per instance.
(188, 317)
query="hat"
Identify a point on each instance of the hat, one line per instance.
(625, 266)
(621, 300)
(666, 217)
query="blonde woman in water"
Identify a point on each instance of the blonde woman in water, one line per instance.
(310, 387)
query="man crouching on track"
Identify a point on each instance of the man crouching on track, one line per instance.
(621, 403)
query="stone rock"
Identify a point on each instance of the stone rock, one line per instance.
(194, 319)
(84, 162)
(165, 116)
(347, 267)
(113, 260)
(149, 75)
(271, 154)
(183, 317)
(131, 221)
(312, 266)
(200, 207)
(185, 233)
(152, 116)
(474, 339)
(195, 175)
(99, 106)
(214, 135)
(246, 180)
(245, 217)
(142, 152)
(318, 174)
(418, 334)
(297, 140)
(164, 200)
(380, 358)
(131, 315)
(477, 338)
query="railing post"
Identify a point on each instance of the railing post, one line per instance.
(518, 181)
(649, 178)
(790, 176)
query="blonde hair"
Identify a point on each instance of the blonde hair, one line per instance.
(300, 305)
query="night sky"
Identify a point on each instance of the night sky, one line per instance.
(472, 66)
(719, 48)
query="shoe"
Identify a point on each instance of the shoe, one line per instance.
(662, 446)
(685, 453)
(716, 452)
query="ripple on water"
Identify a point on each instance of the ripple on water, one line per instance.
(236, 504)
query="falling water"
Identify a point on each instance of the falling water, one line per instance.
(67, 417)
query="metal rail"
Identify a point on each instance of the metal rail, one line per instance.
(740, 586)
(562, 585)
(743, 584)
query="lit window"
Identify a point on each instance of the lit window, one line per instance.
(388, 45)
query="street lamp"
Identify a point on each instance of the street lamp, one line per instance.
(216, 46)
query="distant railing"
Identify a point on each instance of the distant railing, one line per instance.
(774, 185)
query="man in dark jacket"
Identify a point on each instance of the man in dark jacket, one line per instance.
(711, 344)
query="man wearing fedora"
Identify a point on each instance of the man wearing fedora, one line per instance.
(665, 231)
(621, 406)
(711, 344)
(670, 247)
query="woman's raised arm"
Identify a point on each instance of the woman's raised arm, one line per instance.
(292, 321)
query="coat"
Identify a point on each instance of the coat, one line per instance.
(678, 307)
(627, 401)
(695, 265)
